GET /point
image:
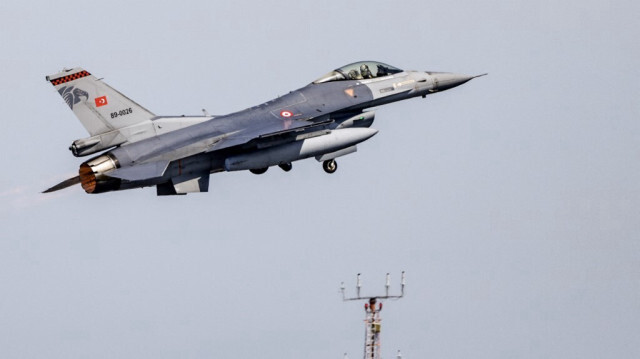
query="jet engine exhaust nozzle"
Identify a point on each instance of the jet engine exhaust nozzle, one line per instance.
(92, 176)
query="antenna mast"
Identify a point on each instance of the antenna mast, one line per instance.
(372, 308)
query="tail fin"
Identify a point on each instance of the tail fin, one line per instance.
(97, 105)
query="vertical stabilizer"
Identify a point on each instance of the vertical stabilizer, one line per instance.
(99, 107)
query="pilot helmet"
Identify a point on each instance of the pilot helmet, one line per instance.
(364, 70)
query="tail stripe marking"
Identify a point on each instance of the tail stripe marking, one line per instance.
(68, 78)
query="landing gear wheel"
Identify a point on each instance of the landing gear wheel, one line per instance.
(258, 171)
(286, 166)
(330, 166)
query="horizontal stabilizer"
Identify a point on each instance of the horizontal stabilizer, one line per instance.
(191, 183)
(64, 184)
(140, 172)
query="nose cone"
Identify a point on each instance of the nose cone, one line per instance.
(446, 80)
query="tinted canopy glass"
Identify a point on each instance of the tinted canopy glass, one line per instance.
(359, 71)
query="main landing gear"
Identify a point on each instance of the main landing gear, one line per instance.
(258, 171)
(330, 166)
(286, 166)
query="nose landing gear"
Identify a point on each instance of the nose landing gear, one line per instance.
(330, 166)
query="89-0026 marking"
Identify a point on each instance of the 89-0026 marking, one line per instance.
(126, 111)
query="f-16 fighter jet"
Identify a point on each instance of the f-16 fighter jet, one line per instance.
(325, 120)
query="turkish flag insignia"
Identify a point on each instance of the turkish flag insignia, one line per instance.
(101, 101)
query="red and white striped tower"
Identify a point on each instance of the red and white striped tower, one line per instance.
(373, 322)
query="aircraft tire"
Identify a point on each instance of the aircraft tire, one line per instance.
(286, 166)
(330, 166)
(258, 171)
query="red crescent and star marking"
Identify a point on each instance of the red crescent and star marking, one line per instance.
(101, 101)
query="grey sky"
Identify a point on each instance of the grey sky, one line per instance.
(512, 202)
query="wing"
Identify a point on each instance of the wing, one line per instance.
(264, 136)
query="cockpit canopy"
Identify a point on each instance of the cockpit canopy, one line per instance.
(359, 71)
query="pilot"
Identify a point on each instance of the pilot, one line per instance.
(353, 75)
(366, 73)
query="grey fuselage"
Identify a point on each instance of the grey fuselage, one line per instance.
(316, 107)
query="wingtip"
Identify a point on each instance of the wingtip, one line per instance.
(484, 74)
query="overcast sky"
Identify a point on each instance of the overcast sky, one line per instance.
(512, 202)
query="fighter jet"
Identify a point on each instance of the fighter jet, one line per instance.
(326, 119)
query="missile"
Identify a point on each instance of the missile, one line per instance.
(325, 142)
(364, 119)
